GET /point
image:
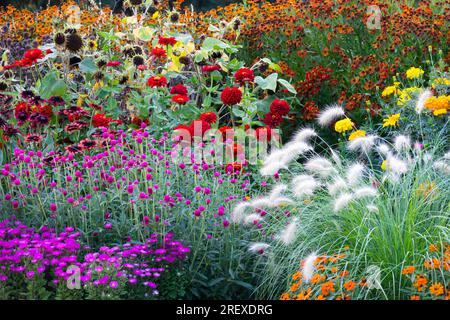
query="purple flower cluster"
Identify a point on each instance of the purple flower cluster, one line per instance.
(33, 253)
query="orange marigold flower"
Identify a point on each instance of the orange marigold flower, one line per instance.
(408, 270)
(437, 289)
(327, 287)
(296, 276)
(350, 285)
(414, 298)
(433, 248)
(285, 296)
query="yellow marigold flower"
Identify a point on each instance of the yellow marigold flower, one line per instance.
(440, 82)
(384, 165)
(414, 72)
(392, 120)
(439, 112)
(343, 125)
(356, 134)
(437, 289)
(388, 91)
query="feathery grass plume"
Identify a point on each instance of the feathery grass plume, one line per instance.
(287, 236)
(335, 157)
(273, 163)
(402, 142)
(339, 184)
(309, 267)
(277, 191)
(304, 134)
(252, 218)
(447, 156)
(258, 247)
(320, 166)
(281, 201)
(342, 201)
(293, 150)
(372, 208)
(261, 202)
(355, 173)
(396, 165)
(364, 192)
(384, 149)
(239, 211)
(330, 114)
(442, 166)
(304, 185)
(362, 144)
(423, 97)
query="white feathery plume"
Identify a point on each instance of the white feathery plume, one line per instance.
(330, 114)
(337, 186)
(308, 267)
(362, 144)
(304, 134)
(396, 165)
(319, 165)
(365, 192)
(251, 218)
(372, 208)
(261, 202)
(335, 157)
(277, 191)
(355, 173)
(423, 97)
(447, 155)
(272, 164)
(342, 201)
(281, 201)
(304, 185)
(258, 247)
(384, 149)
(293, 150)
(402, 142)
(442, 166)
(287, 236)
(238, 211)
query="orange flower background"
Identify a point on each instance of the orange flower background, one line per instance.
(333, 279)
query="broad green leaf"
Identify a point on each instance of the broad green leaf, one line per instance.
(287, 85)
(51, 85)
(88, 66)
(214, 44)
(269, 83)
(144, 33)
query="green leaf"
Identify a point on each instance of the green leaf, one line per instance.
(214, 44)
(287, 85)
(88, 66)
(144, 33)
(269, 83)
(51, 85)
(272, 65)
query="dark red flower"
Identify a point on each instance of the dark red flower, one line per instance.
(280, 107)
(22, 110)
(165, 41)
(45, 110)
(244, 75)
(227, 132)
(263, 133)
(235, 150)
(179, 89)
(272, 120)
(212, 68)
(157, 81)
(209, 117)
(231, 96)
(33, 138)
(159, 52)
(234, 167)
(180, 99)
(101, 120)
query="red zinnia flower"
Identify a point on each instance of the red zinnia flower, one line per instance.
(199, 126)
(231, 96)
(46, 110)
(159, 52)
(272, 120)
(22, 110)
(179, 89)
(209, 117)
(280, 107)
(235, 150)
(180, 99)
(113, 63)
(157, 81)
(164, 41)
(101, 120)
(33, 55)
(244, 75)
(263, 133)
(227, 132)
(210, 68)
